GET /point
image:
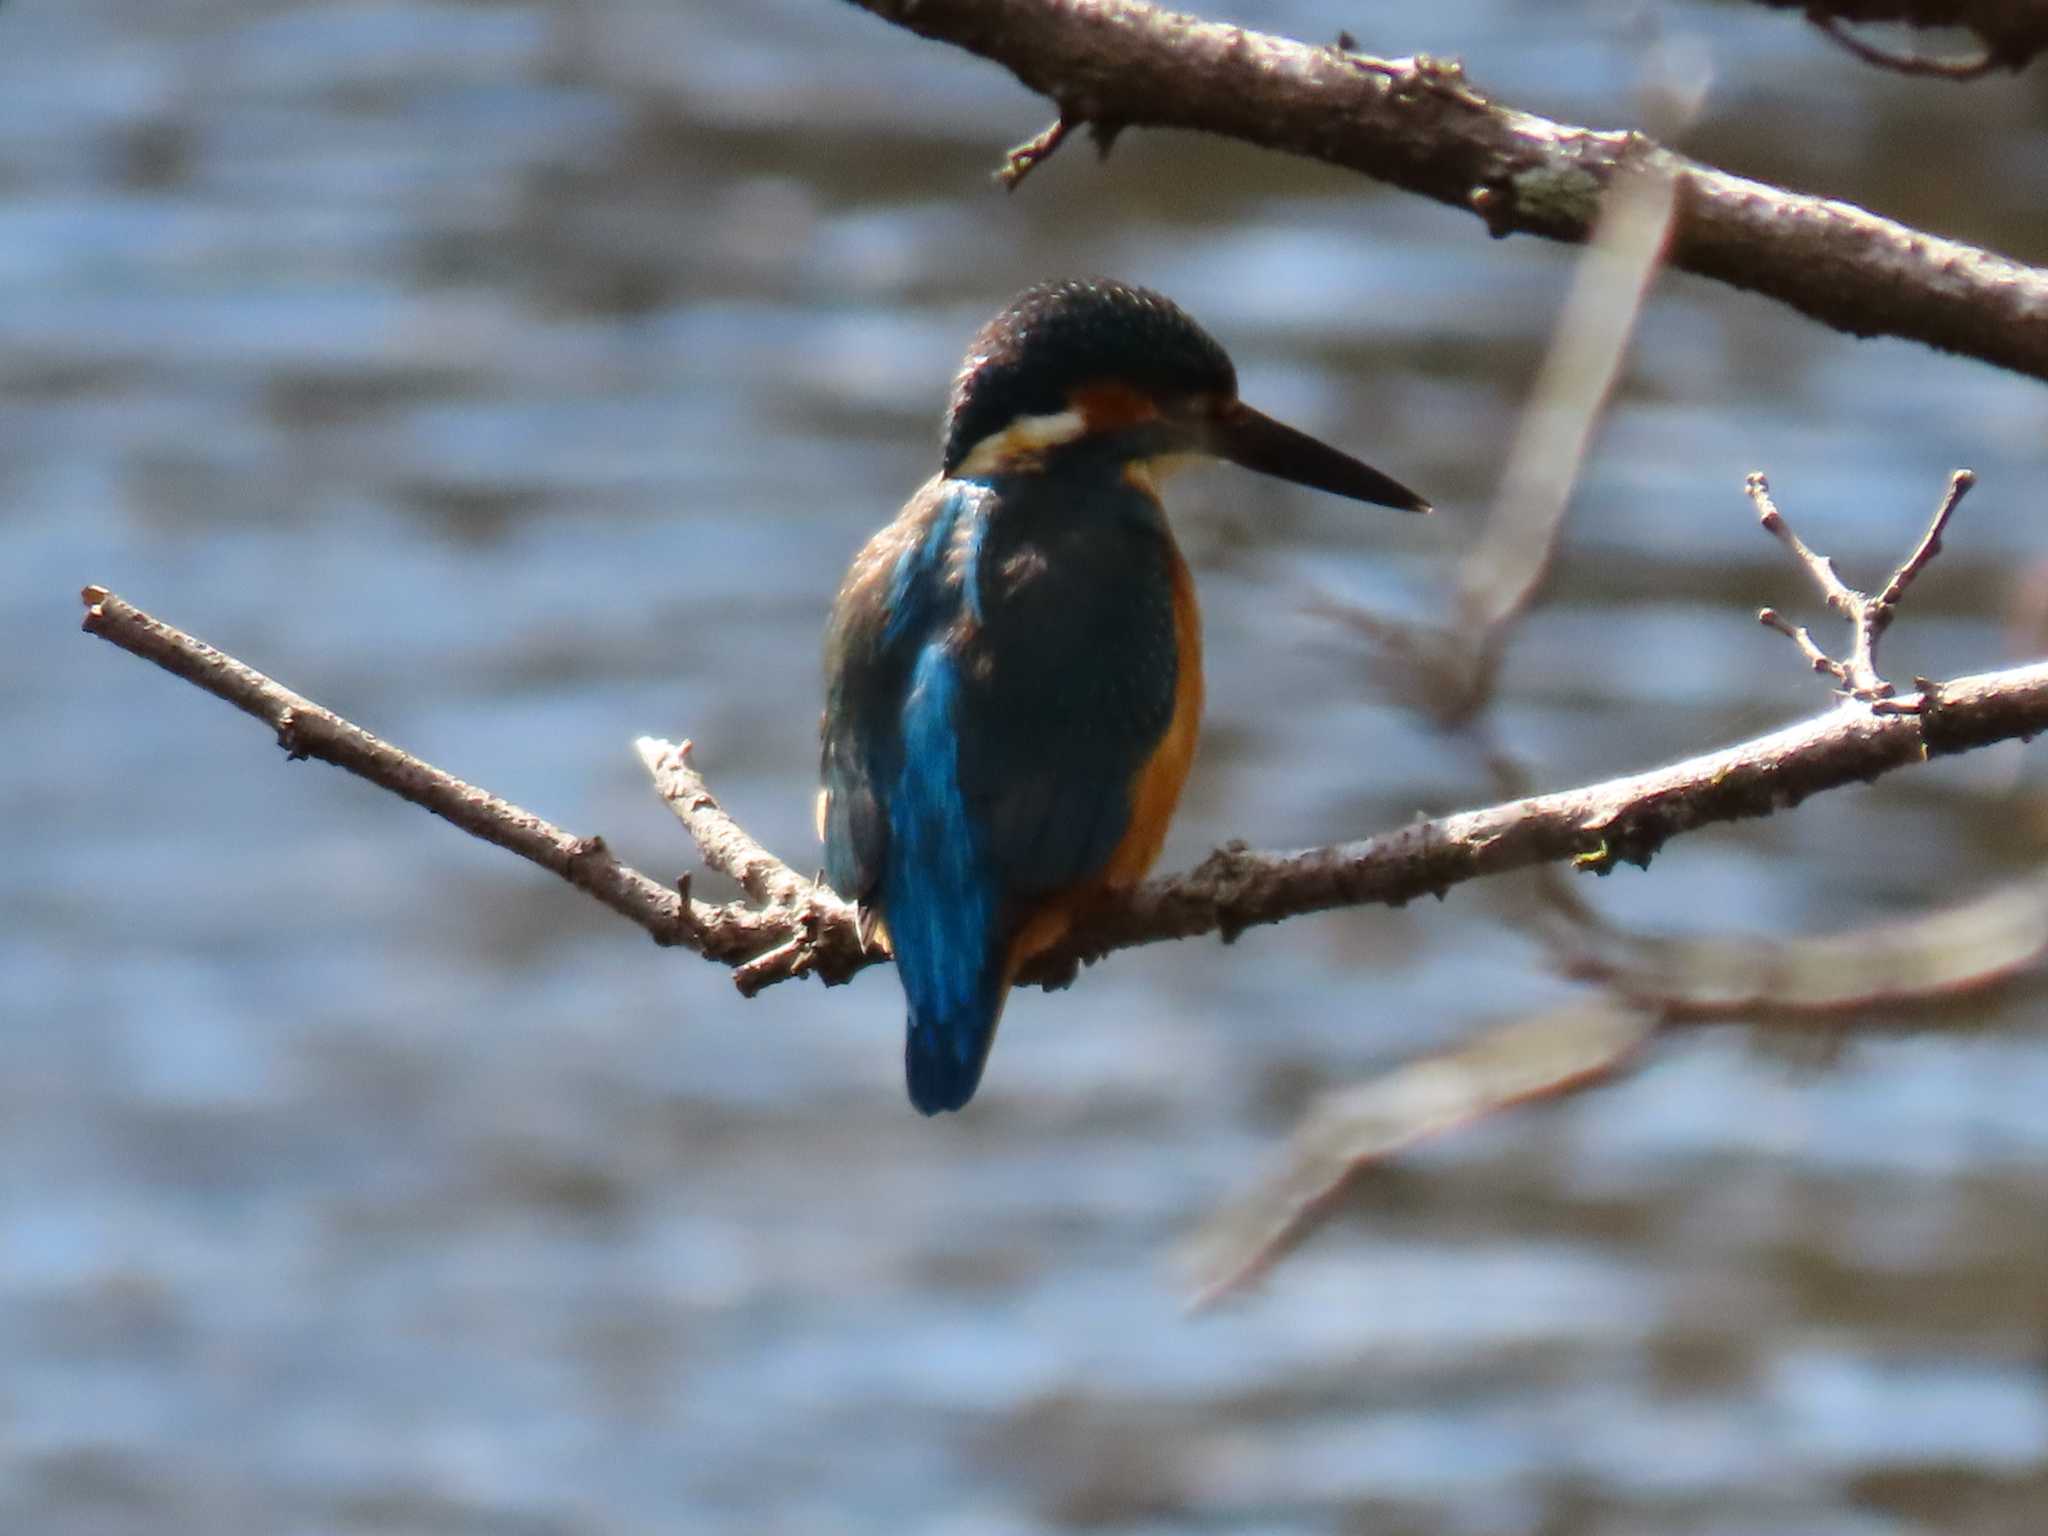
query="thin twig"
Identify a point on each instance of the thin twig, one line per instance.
(1033, 152)
(2013, 32)
(727, 847)
(1353, 1130)
(1959, 485)
(1838, 593)
(1802, 637)
(1447, 672)
(1923, 66)
(1652, 986)
(1504, 573)
(1801, 982)
(727, 934)
(1869, 617)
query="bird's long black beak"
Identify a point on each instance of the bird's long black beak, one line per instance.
(1244, 436)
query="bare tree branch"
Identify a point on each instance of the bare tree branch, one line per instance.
(1923, 65)
(2012, 32)
(1652, 986)
(1447, 672)
(1869, 617)
(1355, 1129)
(1418, 124)
(1648, 984)
(727, 847)
(1023, 159)
(1806, 982)
(1623, 820)
(728, 933)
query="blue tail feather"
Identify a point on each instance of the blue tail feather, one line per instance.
(939, 896)
(943, 1054)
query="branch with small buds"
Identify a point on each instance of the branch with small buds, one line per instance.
(1869, 617)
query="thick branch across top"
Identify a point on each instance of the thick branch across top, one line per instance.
(1417, 124)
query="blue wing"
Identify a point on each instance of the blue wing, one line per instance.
(942, 898)
(899, 834)
(996, 682)
(892, 603)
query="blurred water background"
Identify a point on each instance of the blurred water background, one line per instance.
(517, 378)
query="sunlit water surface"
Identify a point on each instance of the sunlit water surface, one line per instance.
(518, 379)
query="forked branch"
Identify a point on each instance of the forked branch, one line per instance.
(1869, 617)
(1646, 984)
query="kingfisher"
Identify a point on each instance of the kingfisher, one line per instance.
(1014, 665)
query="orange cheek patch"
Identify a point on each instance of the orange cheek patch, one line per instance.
(1109, 406)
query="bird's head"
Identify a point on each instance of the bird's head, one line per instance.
(1104, 367)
